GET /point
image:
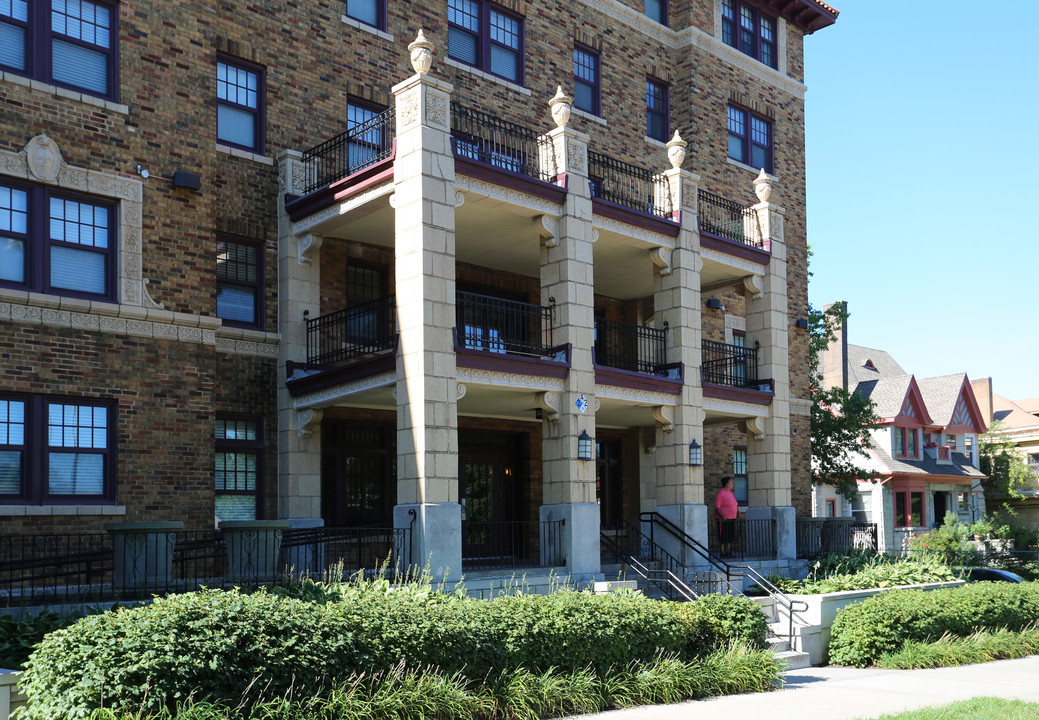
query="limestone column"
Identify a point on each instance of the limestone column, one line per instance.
(566, 275)
(676, 302)
(768, 440)
(427, 410)
(299, 288)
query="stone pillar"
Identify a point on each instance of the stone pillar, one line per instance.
(676, 303)
(143, 554)
(253, 549)
(566, 275)
(427, 409)
(768, 439)
(299, 293)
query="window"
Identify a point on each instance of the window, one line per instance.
(485, 36)
(56, 242)
(239, 104)
(657, 110)
(1033, 461)
(367, 140)
(905, 442)
(950, 440)
(71, 43)
(739, 473)
(238, 468)
(657, 10)
(745, 28)
(909, 508)
(239, 282)
(750, 138)
(831, 507)
(586, 80)
(370, 12)
(56, 450)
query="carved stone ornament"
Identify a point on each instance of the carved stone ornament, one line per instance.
(548, 229)
(460, 390)
(307, 246)
(44, 158)
(421, 53)
(549, 404)
(307, 421)
(676, 150)
(754, 285)
(665, 417)
(436, 109)
(661, 258)
(763, 186)
(755, 427)
(561, 104)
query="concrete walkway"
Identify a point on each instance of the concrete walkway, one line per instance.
(834, 693)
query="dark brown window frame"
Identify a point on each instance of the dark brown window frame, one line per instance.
(259, 286)
(257, 447)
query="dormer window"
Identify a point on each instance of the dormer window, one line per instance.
(869, 365)
(905, 442)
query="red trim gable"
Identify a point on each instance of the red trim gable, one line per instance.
(914, 411)
(966, 418)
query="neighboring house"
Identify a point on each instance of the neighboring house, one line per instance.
(924, 449)
(255, 266)
(1019, 423)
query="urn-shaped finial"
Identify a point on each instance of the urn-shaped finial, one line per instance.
(560, 105)
(676, 150)
(763, 186)
(421, 53)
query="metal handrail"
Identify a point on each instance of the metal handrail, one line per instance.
(628, 185)
(731, 365)
(503, 326)
(726, 219)
(352, 333)
(792, 606)
(671, 584)
(348, 152)
(505, 145)
(630, 346)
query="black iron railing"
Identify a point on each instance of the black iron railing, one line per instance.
(315, 551)
(658, 568)
(352, 333)
(753, 538)
(628, 185)
(349, 152)
(732, 365)
(730, 220)
(503, 326)
(503, 144)
(628, 346)
(512, 544)
(823, 536)
(41, 569)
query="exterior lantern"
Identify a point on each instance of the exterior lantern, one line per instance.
(695, 454)
(584, 446)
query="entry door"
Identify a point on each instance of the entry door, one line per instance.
(358, 470)
(608, 482)
(488, 490)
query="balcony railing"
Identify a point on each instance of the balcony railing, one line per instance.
(628, 185)
(503, 326)
(628, 346)
(725, 218)
(731, 365)
(821, 536)
(750, 538)
(505, 545)
(503, 144)
(349, 334)
(349, 152)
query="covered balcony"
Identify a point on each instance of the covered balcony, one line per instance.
(733, 366)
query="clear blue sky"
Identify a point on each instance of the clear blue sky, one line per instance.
(923, 183)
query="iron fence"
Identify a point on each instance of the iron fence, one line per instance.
(727, 219)
(751, 538)
(822, 536)
(349, 152)
(503, 326)
(629, 185)
(506, 145)
(628, 346)
(349, 334)
(732, 365)
(510, 544)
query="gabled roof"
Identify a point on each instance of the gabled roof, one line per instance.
(865, 364)
(897, 397)
(951, 403)
(1011, 414)
(1030, 405)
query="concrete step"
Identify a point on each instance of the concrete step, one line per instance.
(794, 659)
(778, 644)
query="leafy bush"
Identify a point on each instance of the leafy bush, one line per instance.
(718, 621)
(861, 633)
(865, 572)
(18, 636)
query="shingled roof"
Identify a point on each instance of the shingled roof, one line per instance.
(940, 394)
(887, 394)
(865, 364)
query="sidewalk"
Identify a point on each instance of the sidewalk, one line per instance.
(836, 693)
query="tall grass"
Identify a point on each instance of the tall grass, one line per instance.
(949, 650)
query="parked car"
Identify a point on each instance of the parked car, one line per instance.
(993, 574)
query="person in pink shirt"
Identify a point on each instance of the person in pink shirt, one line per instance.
(725, 510)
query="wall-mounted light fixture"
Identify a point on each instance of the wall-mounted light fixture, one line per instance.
(584, 446)
(714, 303)
(802, 323)
(695, 454)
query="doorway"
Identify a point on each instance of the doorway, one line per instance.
(609, 471)
(490, 487)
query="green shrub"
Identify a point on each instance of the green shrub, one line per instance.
(863, 632)
(18, 636)
(871, 572)
(718, 621)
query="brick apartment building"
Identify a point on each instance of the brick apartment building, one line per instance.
(254, 265)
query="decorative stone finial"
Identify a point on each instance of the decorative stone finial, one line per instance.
(763, 186)
(560, 105)
(421, 54)
(676, 150)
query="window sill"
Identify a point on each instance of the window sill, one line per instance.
(486, 76)
(588, 116)
(658, 143)
(367, 28)
(23, 510)
(245, 154)
(745, 166)
(64, 92)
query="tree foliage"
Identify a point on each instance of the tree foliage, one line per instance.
(841, 420)
(1001, 461)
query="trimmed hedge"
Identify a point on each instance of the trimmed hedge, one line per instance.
(862, 633)
(233, 647)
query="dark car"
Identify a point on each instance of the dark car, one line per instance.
(994, 575)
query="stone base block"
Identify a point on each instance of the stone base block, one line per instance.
(434, 540)
(579, 538)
